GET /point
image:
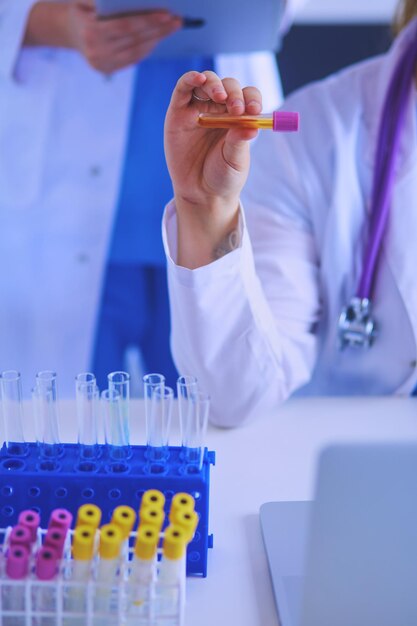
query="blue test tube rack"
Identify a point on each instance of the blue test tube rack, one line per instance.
(41, 484)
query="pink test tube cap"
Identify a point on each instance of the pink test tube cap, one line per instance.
(17, 562)
(46, 564)
(20, 536)
(31, 520)
(285, 121)
(60, 518)
(55, 538)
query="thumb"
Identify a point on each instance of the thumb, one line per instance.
(236, 148)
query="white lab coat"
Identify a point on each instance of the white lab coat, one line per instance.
(261, 323)
(62, 137)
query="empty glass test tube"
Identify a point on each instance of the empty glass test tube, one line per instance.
(45, 400)
(11, 401)
(159, 422)
(278, 121)
(120, 383)
(193, 411)
(87, 397)
(150, 382)
(115, 432)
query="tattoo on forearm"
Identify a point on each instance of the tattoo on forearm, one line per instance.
(229, 243)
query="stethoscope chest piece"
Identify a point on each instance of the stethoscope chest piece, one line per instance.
(356, 326)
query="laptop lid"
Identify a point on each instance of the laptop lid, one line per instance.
(284, 529)
(361, 561)
(349, 557)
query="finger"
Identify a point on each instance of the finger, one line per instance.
(129, 56)
(85, 4)
(236, 147)
(253, 100)
(213, 88)
(152, 37)
(235, 102)
(141, 24)
(184, 88)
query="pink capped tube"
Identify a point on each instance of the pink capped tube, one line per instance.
(60, 518)
(31, 520)
(17, 562)
(20, 536)
(55, 539)
(46, 565)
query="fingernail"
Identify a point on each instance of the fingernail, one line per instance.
(236, 103)
(253, 103)
(219, 91)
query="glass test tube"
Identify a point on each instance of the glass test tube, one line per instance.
(13, 595)
(159, 422)
(44, 592)
(114, 430)
(87, 397)
(278, 121)
(193, 410)
(150, 383)
(45, 399)
(120, 383)
(11, 400)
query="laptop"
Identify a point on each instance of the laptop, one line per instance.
(349, 558)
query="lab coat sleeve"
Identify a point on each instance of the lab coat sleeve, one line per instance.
(245, 324)
(13, 19)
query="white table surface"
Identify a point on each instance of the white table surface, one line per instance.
(273, 458)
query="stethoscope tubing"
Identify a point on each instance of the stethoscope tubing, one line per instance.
(389, 135)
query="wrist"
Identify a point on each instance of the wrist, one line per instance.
(49, 25)
(206, 233)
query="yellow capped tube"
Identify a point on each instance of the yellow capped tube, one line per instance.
(82, 552)
(174, 543)
(153, 498)
(83, 543)
(111, 537)
(90, 515)
(153, 516)
(143, 567)
(187, 520)
(172, 568)
(146, 542)
(124, 517)
(181, 502)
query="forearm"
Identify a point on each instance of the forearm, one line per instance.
(205, 235)
(48, 25)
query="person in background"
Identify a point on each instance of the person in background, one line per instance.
(308, 284)
(83, 181)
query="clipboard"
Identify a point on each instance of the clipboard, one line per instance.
(210, 26)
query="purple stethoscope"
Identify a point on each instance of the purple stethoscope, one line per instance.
(356, 325)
